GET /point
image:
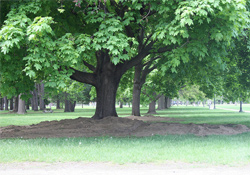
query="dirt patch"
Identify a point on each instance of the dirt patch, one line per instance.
(115, 126)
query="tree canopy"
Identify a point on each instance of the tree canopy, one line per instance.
(97, 41)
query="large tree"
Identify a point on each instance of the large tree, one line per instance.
(97, 41)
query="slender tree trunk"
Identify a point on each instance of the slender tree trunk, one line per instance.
(35, 100)
(41, 95)
(6, 104)
(58, 104)
(151, 109)
(161, 103)
(15, 109)
(214, 102)
(121, 104)
(11, 104)
(72, 106)
(137, 91)
(168, 102)
(67, 103)
(21, 106)
(241, 106)
(27, 106)
(1, 103)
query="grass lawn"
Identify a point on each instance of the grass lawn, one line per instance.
(229, 150)
(245, 107)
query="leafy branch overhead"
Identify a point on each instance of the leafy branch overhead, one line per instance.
(98, 41)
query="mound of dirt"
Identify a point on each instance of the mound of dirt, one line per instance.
(115, 126)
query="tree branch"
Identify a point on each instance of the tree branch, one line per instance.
(136, 60)
(83, 77)
(90, 66)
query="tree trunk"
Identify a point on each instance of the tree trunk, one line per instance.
(58, 104)
(151, 109)
(15, 109)
(72, 106)
(241, 107)
(168, 102)
(27, 105)
(214, 102)
(21, 106)
(121, 104)
(41, 95)
(11, 104)
(34, 100)
(67, 103)
(1, 103)
(106, 95)
(161, 103)
(6, 104)
(137, 91)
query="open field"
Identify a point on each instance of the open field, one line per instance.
(214, 150)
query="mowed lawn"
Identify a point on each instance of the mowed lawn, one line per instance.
(218, 150)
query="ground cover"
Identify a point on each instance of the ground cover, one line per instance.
(245, 107)
(211, 149)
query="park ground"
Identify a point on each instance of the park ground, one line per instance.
(202, 152)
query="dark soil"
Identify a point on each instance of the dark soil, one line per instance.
(116, 126)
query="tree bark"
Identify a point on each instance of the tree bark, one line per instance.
(161, 103)
(241, 106)
(11, 104)
(6, 104)
(1, 103)
(21, 106)
(137, 91)
(151, 109)
(41, 95)
(27, 105)
(67, 104)
(72, 106)
(34, 100)
(167, 102)
(121, 104)
(15, 109)
(106, 96)
(58, 104)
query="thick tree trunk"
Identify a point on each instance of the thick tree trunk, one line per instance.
(241, 106)
(106, 96)
(11, 104)
(21, 106)
(6, 104)
(151, 109)
(137, 91)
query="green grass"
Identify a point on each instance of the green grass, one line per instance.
(245, 107)
(218, 150)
